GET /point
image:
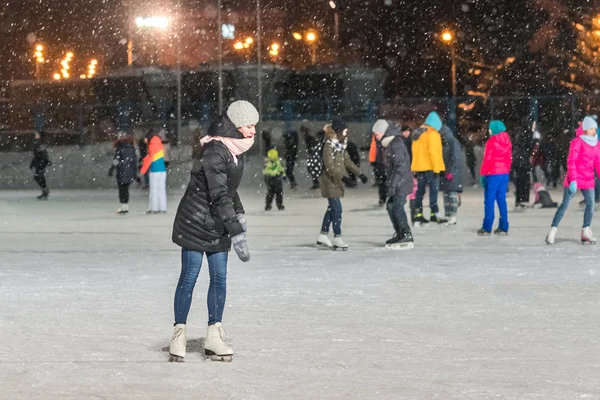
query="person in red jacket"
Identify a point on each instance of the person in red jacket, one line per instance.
(495, 170)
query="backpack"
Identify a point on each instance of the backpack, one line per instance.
(314, 164)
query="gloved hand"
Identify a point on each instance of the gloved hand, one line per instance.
(573, 187)
(483, 181)
(449, 176)
(348, 182)
(363, 178)
(110, 172)
(240, 246)
(242, 219)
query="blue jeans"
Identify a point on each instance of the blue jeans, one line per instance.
(424, 179)
(333, 216)
(395, 209)
(495, 192)
(191, 261)
(588, 195)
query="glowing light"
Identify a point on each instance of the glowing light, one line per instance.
(311, 37)
(69, 55)
(39, 47)
(56, 76)
(275, 47)
(249, 40)
(447, 36)
(332, 4)
(94, 62)
(297, 36)
(238, 45)
(152, 22)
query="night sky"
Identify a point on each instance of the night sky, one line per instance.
(400, 36)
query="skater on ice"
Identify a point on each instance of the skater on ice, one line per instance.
(521, 168)
(427, 164)
(583, 162)
(542, 197)
(154, 164)
(399, 181)
(378, 163)
(336, 164)
(125, 162)
(210, 220)
(40, 162)
(451, 179)
(494, 176)
(274, 174)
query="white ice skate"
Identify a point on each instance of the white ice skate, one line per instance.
(338, 244)
(178, 343)
(451, 221)
(550, 237)
(324, 241)
(587, 236)
(214, 346)
(124, 209)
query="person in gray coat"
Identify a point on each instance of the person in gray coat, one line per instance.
(451, 180)
(399, 181)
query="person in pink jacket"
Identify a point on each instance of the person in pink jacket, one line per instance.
(584, 158)
(495, 170)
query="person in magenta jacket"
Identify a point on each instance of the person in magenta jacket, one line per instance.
(495, 170)
(583, 160)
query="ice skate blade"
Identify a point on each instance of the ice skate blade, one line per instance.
(402, 246)
(176, 359)
(323, 246)
(339, 248)
(215, 357)
(592, 242)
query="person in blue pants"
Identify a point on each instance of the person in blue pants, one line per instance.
(495, 171)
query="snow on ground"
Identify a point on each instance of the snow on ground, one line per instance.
(87, 299)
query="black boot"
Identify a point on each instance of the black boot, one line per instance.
(483, 232)
(419, 219)
(500, 232)
(395, 239)
(434, 219)
(44, 195)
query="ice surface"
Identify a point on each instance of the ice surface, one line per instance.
(86, 306)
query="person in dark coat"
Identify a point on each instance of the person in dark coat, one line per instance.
(209, 221)
(314, 162)
(125, 162)
(291, 155)
(451, 180)
(40, 162)
(143, 147)
(352, 150)
(521, 167)
(399, 179)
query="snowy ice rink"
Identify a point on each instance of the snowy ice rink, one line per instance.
(86, 306)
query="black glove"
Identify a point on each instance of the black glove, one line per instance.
(363, 178)
(110, 172)
(242, 219)
(348, 182)
(240, 246)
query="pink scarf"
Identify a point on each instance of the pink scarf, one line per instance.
(235, 146)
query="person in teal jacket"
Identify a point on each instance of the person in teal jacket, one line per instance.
(274, 173)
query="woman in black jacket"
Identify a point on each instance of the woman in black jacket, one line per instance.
(40, 162)
(125, 162)
(210, 219)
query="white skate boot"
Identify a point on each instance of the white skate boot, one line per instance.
(587, 236)
(551, 235)
(214, 347)
(451, 221)
(324, 241)
(178, 343)
(338, 244)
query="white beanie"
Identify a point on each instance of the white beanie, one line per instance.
(589, 123)
(242, 113)
(381, 126)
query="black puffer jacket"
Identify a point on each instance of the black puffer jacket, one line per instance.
(397, 160)
(207, 214)
(40, 155)
(125, 161)
(452, 153)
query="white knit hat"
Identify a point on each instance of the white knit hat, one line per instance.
(589, 123)
(381, 126)
(242, 113)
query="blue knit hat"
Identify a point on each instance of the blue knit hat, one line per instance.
(433, 120)
(589, 123)
(497, 127)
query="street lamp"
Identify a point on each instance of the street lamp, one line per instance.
(448, 37)
(336, 27)
(39, 60)
(311, 38)
(297, 36)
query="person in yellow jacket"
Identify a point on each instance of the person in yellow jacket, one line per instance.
(274, 174)
(427, 164)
